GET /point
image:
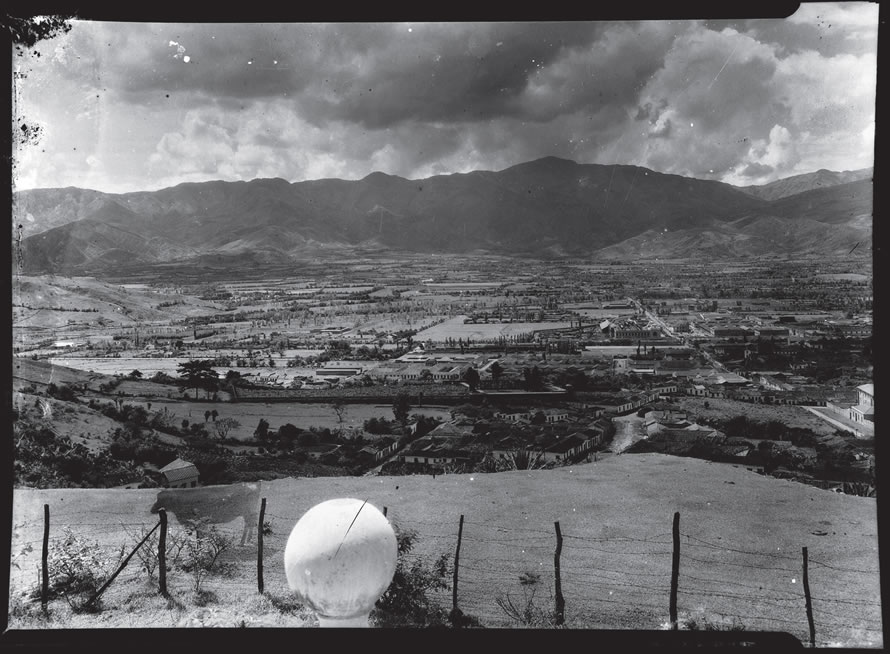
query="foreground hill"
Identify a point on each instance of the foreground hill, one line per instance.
(543, 208)
(741, 540)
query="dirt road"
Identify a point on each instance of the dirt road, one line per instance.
(628, 430)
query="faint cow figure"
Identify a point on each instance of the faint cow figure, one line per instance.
(213, 504)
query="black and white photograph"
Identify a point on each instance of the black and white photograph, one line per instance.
(486, 326)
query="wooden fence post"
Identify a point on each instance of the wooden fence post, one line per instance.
(162, 553)
(560, 600)
(460, 531)
(675, 572)
(44, 590)
(259, 547)
(809, 600)
(122, 565)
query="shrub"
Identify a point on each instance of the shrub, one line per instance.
(202, 551)
(407, 601)
(526, 612)
(148, 553)
(77, 569)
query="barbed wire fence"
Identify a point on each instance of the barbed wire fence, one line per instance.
(541, 574)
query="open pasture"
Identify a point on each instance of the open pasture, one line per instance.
(300, 414)
(740, 549)
(456, 328)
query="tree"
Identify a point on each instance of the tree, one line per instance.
(233, 378)
(224, 425)
(339, 409)
(496, 370)
(471, 377)
(401, 406)
(198, 373)
(533, 379)
(261, 433)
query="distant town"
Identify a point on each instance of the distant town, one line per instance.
(435, 364)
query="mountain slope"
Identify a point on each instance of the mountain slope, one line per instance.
(807, 182)
(545, 207)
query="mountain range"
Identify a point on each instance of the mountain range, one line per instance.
(549, 207)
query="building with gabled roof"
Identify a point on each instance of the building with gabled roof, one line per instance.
(180, 473)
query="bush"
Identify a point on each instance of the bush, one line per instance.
(407, 603)
(526, 612)
(77, 569)
(148, 553)
(204, 545)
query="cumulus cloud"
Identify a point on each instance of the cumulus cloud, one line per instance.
(730, 100)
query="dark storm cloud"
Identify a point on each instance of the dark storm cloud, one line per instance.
(376, 74)
(303, 101)
(451, 72)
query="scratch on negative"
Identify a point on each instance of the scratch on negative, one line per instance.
(350, 527)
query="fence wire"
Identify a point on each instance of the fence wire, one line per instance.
(606, 581)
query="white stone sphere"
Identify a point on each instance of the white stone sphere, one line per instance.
(339, 574)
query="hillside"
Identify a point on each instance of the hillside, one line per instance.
(740, 550)
(806, 182)
(543, 208)
(54, 301)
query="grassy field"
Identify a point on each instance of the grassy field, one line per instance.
(740, 561)
(789, 415)
(455, 328)
(299, 414)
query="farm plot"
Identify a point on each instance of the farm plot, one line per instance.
(456, 328)
(299, 414)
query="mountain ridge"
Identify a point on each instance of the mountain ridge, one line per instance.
(535, 208)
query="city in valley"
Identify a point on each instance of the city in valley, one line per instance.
(533, 326)
(421, 363)
(424, 379)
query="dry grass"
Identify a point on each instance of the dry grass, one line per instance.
(740, 551)
(789, 415)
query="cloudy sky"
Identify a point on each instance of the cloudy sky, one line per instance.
(119, 106)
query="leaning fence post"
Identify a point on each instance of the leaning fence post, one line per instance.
(122, 565)
(162, 553)
(44, 590)
(560, 600)
(808, 599)
(675, 572)
(259, 547)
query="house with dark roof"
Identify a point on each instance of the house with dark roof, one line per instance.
(569, 448)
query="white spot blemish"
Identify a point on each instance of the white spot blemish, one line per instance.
(692, 124)
(794, 581)
(186, 59)
(410, 29)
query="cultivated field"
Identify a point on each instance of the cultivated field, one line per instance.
(455, 328)
(299, 414)
(740, 547)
